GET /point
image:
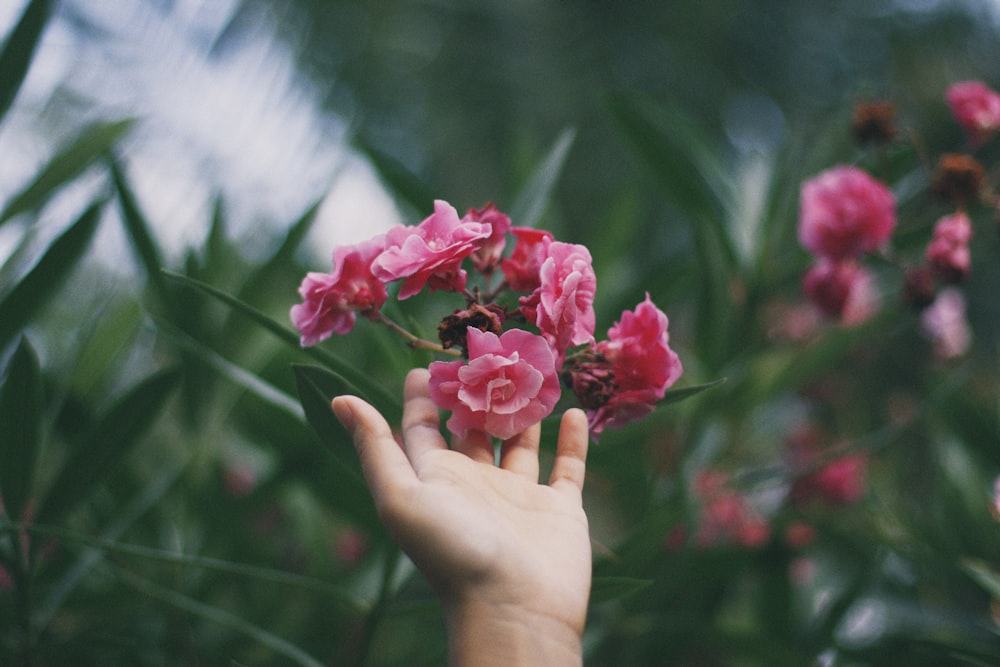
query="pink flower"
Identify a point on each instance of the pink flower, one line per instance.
(508, 384)
(841, 290)
(332, 299)
(487, 256)
(563, 304)
(944, 321)
(948, 252)
(844, 212)
(430, 253)
(633, 370)
(522, 268)
(976, 108)
(840, 482)
(726, 516)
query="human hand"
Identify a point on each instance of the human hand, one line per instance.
(509, 557)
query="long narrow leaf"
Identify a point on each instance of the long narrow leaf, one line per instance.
(98, 455)
(140, 235)
(353, 378)
(89, 145)
(34, 290)
(682, 163)
(224, 618)
(533, 199)
(684, 393)
(20, 436)
(401, 182)
(19, 50)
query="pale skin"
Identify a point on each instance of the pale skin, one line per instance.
(509, 557)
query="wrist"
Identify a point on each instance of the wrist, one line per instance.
(484, 633)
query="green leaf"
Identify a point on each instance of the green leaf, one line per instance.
(684, 165)
(18, 51)
(224, 618)
(607, 589)
(407, 188)
(31, 293)
(533, 199)
(95, 457)
(678, 395)
(316, 388)
(137, 228)
(90, 144)
(21, 406)
(264, 276)
(357, 381)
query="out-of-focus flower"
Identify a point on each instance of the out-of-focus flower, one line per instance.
(563, 304)
(976, 107)
(799, 534)
(841, 290)
(844, 212)
(726, 516)
(995, 500)
(508, 384)
(332, 299)
(874, 122)
(959, 178)
(530, 250)
(944, 321)
(430, 253)
(349, 546)
(630, 371)
(840, 482)
(487, 256)
(948, 252)
(918, 287)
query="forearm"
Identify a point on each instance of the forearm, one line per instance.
(485, 634)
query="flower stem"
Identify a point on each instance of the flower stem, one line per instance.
(414, 341)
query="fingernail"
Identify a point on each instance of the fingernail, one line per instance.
(342, 409)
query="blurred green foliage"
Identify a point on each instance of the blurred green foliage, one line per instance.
(176, 491)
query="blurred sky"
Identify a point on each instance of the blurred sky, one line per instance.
(221, 108)
(224, 106)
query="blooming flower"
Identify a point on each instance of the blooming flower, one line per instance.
(944, 321)
(844, 212)
(487, 256)
(430, 253)
(841, 290)
(948, 251)
(332, 299)
(726, 516)
(632, 370)
(563, 304)
(976, 107)
(522, 268)
(508, 384)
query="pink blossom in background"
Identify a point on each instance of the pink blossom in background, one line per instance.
(995, 499)
(841, 290)
(488, 255)
(976, 108)
(842, 481)
(521, 269)
(726, 516)
(430, 253)
(945, 322)
(844, 212)
(642, 367)
(948, 252)
(508, 384)
(563, 304)
(332, 299)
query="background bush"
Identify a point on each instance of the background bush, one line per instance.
(176, 491)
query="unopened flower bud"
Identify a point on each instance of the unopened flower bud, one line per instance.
(874, 122)
(959, 178)
(454, 328)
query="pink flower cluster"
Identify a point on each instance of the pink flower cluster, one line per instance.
(843, 214)
(509, 378)
(976, 107)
